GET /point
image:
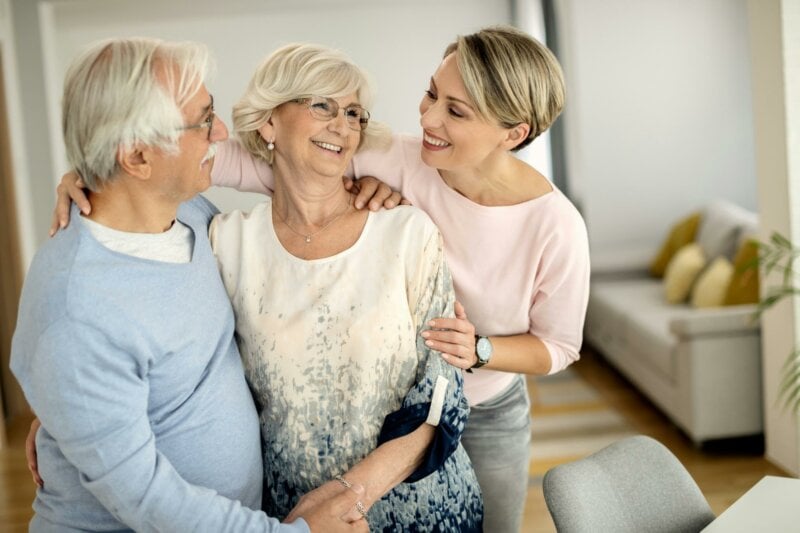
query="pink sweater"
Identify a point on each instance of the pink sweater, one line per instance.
(516, 269)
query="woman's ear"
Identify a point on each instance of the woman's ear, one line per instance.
(517, 134)
(267, 131)
(135, 161)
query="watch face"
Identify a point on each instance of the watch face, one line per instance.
(483, 349)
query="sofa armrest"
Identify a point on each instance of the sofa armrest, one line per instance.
(632, 262)
(716, 321)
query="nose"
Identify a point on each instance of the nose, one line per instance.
(339, 123)
(219, 131)
(429, 115)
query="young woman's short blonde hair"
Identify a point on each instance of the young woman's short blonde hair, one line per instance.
(511, 77)
(296, 71)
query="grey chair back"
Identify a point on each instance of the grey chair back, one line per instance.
(634, 485)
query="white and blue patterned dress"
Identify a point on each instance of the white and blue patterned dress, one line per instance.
(331, 347)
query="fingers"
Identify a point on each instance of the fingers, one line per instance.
(368, 186)
(30, 452)
(382, 197)
(461, 313)
(348, 184)
(463, 363)
(456, 324)
(70, 189)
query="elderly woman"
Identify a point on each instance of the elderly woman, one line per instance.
(330, 302)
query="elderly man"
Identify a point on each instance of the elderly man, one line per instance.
(124, 344)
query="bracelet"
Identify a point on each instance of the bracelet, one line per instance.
(359, 506)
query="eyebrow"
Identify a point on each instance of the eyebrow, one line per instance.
(453, 98)
(210, 107)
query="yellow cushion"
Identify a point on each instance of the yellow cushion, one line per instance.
(711, 286)
(681, 234)
(743, 288)
(681, 272)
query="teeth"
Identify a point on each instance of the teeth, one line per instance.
(328, 146)
(435, 142)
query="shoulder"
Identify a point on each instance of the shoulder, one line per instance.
(199, 208)
(407, 219)
(229, 228)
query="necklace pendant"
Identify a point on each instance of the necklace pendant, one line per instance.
(308, 239)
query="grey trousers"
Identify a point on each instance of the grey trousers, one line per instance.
(497, 439)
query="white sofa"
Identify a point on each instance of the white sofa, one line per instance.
(702, 367)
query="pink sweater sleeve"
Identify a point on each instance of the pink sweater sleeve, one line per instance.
(559, 307)
(237, 168)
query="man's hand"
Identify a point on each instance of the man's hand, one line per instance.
(373, 192)
(30, 452)
(71, 189)
(331, 508)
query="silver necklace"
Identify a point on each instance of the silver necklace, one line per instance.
(307, 236)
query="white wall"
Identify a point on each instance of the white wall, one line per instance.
(399, 43)
(659, 116)
(774, 27)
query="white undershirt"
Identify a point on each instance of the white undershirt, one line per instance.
(172, 246)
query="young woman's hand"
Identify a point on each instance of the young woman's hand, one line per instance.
(71, 189)
(454, 338)
(372, 192)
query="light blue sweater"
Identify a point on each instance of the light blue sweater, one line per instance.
(130, 364)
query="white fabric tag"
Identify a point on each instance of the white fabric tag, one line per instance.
(437, 401)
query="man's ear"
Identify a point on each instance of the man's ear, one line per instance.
(516, 135)
(135, 161)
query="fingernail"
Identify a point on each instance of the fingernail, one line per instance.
(432, 323)
(62, 224)
(425, 334)
(428, 343)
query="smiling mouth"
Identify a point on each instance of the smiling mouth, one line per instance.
(433, 141)
(328, 146)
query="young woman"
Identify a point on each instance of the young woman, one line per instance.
(516, 246)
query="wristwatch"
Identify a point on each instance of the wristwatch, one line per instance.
(483, 349)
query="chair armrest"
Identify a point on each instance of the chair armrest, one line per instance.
(716, 321)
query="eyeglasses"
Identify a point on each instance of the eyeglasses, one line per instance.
(322, 108)
(207, 123)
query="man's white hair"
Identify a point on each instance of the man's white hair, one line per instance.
(126, 92)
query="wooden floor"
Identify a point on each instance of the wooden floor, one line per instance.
(723, 471)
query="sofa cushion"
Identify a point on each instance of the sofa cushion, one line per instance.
(680, 234)
(721, 228)
(712, 284)
(681, 273)
(744, 288)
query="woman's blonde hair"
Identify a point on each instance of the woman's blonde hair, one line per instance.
(296, 71)
(511, 77)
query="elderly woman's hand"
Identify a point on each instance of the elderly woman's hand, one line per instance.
(373, 192)
(322, 494)
(71, 189)
(454, 338)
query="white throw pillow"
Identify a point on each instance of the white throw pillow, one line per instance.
(681, 272)
(711, 286)
(721, 226)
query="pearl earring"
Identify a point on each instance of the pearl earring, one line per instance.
(270, 145)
